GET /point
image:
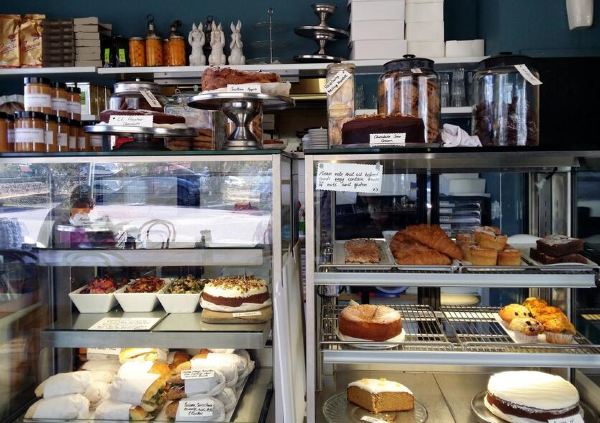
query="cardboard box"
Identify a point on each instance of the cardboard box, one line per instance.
(81, 63)
(425, 31)
(92, 20)
(87, 43)
(377, 30)
(467, 48)
(378, 49)
(87, 35)
(85, 28)
(424, 12)
(87, 56)
(426, 49)
(377, 10)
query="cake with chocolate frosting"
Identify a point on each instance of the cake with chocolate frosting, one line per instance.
(230, 292)
(528, 396)
(360, 129)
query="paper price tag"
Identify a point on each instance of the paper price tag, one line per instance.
(416, 70)
(336, 82)
(244, 88)
(144, 121)
(195, 408)
(125, 323)
(372, 419)
(151, 99)
(105, 351)
(247, 314)
(349, 177)
(572, 419)
(197, 374)
(388, 139)
(528, 75)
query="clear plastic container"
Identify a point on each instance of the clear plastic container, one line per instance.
(506, 111)
(340, 103)
(410, 87)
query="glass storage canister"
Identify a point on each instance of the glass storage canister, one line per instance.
(154, 50)
(83, 142)
(165, 53)
(3, 133)
(10, 132)
(73, 134)
(93, 141)
(74, 103)
(62, 136)
(29, 132)
(132, 95)
(137, 52)
(176, 50)
(51, 134)
(37, 95)
(506, 111)
(60, 99)
(410, 87)
(340, 99)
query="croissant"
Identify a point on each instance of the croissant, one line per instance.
(408, 251)
(434, 237)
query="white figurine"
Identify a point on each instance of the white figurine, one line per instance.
(237, 55)
(217, 43)
(196, 40)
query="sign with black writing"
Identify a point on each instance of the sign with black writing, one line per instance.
(349, 177)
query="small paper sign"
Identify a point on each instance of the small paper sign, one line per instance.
(125, 323)
(244, 88)
(195, 408)
(388, 139)
(336, 82)
(247, 314)
(104, 351)
(144, 121)
(528, 75)
(572, 419)
(372, 419)
(349, 177)
(151, 99)
(197, 374)
(416, 70)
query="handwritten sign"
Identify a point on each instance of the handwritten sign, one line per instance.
(144, 121)
(195, 408)
(336, 82)
(349, 177)
(528, 75)
(125, 323)
(197, 374)
(151, 99)
(571, 419)
(244, 88)
(247, 314)
(390, 139)
(372, 419)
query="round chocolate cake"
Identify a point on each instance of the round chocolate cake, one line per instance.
(360, 129)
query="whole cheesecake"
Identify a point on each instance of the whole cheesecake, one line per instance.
(370, 322)
(235, 291)
(528, 396)
(360, 129)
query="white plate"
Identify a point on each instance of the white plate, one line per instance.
(138, 302)
(373, 345)
(541, 338)
(92, 303)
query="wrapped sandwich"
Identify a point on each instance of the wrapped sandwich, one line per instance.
(143, 354)
(111, 411)
(145, 390)
(65, 407)
(189, 383)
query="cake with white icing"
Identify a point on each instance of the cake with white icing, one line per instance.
(529, 397)
(380, 395)
(235, 292)
(370, 322)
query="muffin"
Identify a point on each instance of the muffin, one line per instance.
(540, 311)
(513, 311)
(509, 257)
(534, 303)
(492, 241)
(493, 230)
(465, 238)
(544, 318)
(482, 256)
(526, 329)
(559, 330)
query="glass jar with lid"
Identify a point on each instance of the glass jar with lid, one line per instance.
(93, 141)
(51, 134)
(3, 133)
(74, 103)
(410, 87)
(340, 101)
(133, 95)
(10, 131)
(60, 99)
(37, 95)
(29, 132)
(506, 94)
(154, 50)
(62, 136)
(83, 143)
(175, 47)
(137, 52)
(73, 134)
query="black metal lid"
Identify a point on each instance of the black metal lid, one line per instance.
(408, 62)
(29, 115)
(505, 59)
(73, 90)
(36, 80)
(59, 85)
(52, 118)
(3, 115)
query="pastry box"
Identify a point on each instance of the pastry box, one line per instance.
(92, 303)
(137, 302)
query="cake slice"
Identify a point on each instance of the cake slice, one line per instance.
(380, 395)
(547, 259)
(362, 251)
(559, 245)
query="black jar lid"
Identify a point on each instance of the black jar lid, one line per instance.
(3, 115)
(36, 80)
(59, 85)
(53, 118)
(73, 90)
(408, 62)
(30, 115)
(505, 59)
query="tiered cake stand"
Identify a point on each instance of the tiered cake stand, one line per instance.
(322, 34)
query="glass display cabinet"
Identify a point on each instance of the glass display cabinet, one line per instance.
(453, 338)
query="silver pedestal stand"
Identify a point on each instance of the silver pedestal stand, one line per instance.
(241, 108)
(144, 138)
(322, 34)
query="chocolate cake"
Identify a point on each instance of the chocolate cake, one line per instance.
(559, 245)
(358, 130)
(157, 117)
(546, 259)
(214, 77)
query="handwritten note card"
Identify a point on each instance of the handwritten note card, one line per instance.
(125, 323)
(144, 121)
(349, 177)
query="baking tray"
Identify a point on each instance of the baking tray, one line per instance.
(339, 257)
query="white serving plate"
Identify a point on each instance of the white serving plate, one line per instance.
(92, 303)
(134, 302)
(178, 303)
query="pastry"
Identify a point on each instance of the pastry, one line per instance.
(559, 330)
(371, 322)
(360, 129)
(526, 329)
(465, 238)
(380, 395)
(559, 245)
(235, 291)
(485, 229)
(434, 237)
(512, 311)
(175, 358)
(541, 311)
(546, 259)
(509, 257)
(492, 241)
(533, 303)
(214, 77)
(362, 251)
(482, 256)
(407, 251)
(528, 396)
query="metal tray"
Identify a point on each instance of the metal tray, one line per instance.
(339, 258)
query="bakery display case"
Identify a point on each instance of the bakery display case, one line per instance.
(167, 282)
(393, 294)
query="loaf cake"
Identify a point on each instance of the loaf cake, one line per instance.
(370, 322)
(559, 245)
(214, 78)
(158, 118)
(362, 251)
(359, 129)
(380, 395)
(529, 396)
(235, 291)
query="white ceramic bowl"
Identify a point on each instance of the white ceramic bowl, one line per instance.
(137, 302)
(92, 303)
(179, 303)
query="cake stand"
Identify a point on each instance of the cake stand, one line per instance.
(322, 34)
(144, 138)
(241, 108)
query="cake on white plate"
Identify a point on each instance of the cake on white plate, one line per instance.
(530, 397)
(380, 395)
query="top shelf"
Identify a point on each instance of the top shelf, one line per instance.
(47, 71)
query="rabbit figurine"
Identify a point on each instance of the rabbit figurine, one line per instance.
(237, 55)
(196, 40)
(217, 43)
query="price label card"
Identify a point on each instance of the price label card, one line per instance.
(103, 351)
(336, 82)
(125, 323)
(349, 177)
(247, 314)
(143, 121)
(197, 374)
(416, 70)
(195, 408)
(391, 139)
(372, 419)
(244, 88)
(572, 419)
(528, 75)
(151, 99)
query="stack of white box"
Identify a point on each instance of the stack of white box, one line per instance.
(425, 27)
(377, 29)
(87, 42)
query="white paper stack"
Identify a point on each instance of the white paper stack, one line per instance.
(466, 48)
(87, 41)
(377, 29)
(425, 27)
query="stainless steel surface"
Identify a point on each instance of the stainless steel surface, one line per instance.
(337, 409)
(318, 31)
(173, 331)
(146, 157)
(214, 101)
(140, 130)
(135, 87)
(311, 310)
